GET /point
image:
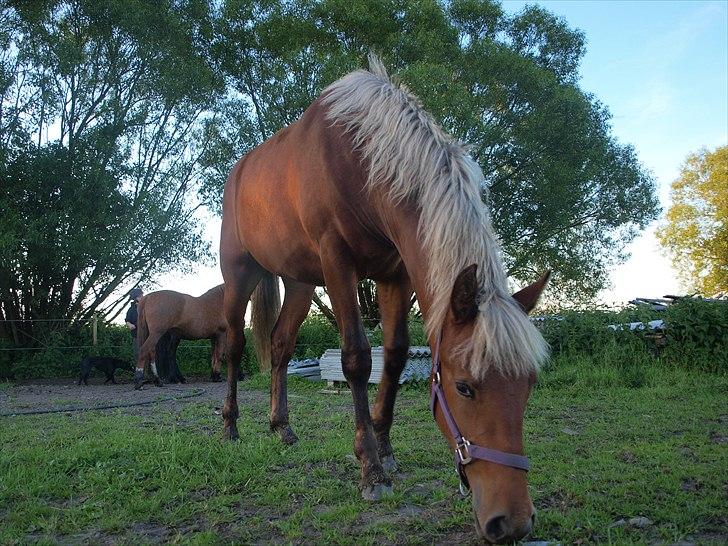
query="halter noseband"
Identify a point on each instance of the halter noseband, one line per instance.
(465, 451)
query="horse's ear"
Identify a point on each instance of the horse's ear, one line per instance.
(463, 301)
(528, 297)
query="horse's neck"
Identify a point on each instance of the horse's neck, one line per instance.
(405, 236)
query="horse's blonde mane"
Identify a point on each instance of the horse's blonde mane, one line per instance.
(410, 156)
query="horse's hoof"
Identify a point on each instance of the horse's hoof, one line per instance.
(286, 434)
(182, 379)
(138, 379)
(376, 492)
(158, 382)
(389, 464)
(230, 433)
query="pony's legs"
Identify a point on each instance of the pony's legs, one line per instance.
(241, 275)
(162, 357)
(356, 360)
(147, 355)
(174, 372)
(296, 304)
(394, 303)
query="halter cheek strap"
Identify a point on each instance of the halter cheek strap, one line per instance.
(465, 451)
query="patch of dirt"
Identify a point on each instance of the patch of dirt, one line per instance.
(559, 500)
(65, 395)
(690, 484)
(627, 457)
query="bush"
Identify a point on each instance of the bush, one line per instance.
(696, 338)
(315, 336)
(584, 350)
(697, 335)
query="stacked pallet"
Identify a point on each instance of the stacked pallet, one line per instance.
(418, 365)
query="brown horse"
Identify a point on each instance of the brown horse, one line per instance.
(366, 185)
(167, 317)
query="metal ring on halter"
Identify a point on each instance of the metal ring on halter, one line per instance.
(461, 448)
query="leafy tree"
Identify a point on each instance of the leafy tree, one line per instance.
(696, 233)
(101, 105)
(563, 193)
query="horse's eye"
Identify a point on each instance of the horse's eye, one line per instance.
(464, 389)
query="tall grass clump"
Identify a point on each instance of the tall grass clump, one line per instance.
(697, 335)
(315, 336)
(585, 350)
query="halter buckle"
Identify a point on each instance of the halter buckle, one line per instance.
(436, 378)
(463, 453)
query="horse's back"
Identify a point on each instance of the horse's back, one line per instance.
(167, 309)
(294, 193)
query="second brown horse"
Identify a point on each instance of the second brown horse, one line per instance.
(166, 317)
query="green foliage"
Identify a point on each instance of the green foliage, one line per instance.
(695, 338)
(315, 336)
(100, 114)
(61, 351)
(564, 193)
(584, 350)
(696, 231)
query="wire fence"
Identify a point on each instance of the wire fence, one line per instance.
(95, 326)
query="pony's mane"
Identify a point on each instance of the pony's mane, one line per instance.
(412, 158)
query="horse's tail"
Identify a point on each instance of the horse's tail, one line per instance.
(142, 329)
(266, 306)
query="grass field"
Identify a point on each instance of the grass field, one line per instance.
(602, 452)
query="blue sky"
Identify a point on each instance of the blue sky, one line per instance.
(661, 67)
(662, 70)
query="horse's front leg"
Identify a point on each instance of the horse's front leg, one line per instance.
(241, 274)
(147, 356)
(394, 304)
(356, 360)
(296, 305)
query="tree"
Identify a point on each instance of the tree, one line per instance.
(563, 193)
(696, 232)
(101, 104)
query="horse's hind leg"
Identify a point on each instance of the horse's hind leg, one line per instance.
(394, 303)
(296, 305)
(241, 274)
(356, 361)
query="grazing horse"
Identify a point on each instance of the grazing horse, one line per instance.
(167, 317)
(366, 185)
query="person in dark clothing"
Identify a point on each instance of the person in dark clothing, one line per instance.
(131, 319)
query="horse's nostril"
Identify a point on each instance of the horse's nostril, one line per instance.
(496, 529)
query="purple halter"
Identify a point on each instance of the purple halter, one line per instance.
(465, 451)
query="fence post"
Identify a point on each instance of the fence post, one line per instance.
(95, 330)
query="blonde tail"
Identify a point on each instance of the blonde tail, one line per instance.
(266, 302)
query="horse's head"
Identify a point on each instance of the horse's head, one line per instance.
(487, 412)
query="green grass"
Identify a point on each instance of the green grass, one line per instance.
(604, 446)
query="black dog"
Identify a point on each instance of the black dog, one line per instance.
(105, 364)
